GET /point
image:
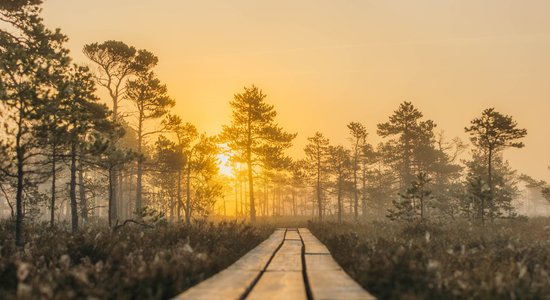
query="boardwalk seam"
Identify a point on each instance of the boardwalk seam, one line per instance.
(309, 294)
(257, 279)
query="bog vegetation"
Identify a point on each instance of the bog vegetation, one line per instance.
(105, 166)
(157, 262)
(505, 260)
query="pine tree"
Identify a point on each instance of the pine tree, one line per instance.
(32, 58)
(413, 203)
(317, 166)
(491, 134)
(359, 139)
(151, 100)
(184, 134)
(109, 156)
(412, 138)
(83, 114)
(254, 136)
(117, 63)
(479, 197)
(169, 162)
(341, 167)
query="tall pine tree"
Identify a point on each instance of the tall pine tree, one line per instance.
(254, 136)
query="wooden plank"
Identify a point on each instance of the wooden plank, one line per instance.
(279, 285)
(321, 263)
(232, 282)
(227, 284)
(283, 278)
(311, 243)
(292, 235)
(326, 278)
(288, 258)
(335, 284)
(257, 258)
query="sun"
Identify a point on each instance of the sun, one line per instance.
(224, 166)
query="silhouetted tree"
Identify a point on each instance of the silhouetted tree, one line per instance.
(367, 159)
(317, 165)
(169, 162)
(32, 58)
(152, 102)
(480, 201)
(185, 135)
(109, 156)
(116, 64)
(254, 136)
(413, 137)
(359, 139)
(201, 170)
(84, 114)
(446, 175)
(492, 133)
(413, 202)
(341, 167)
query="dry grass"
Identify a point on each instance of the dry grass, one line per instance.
(506, 260)
(132, 263)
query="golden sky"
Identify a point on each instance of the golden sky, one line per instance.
(325, 63)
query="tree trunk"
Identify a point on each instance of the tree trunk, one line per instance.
(120, 194)
(179, 198)
(339, 201)
(355, 192)
(113, 188)
(112, 211)
(74, 208)
(54, 166)
(139, 165)
(491, 189)
(139, 183)
(19, 198)
(82, 192)
(188, 197)
(20, 151)
(251, 189)
(319, 199)
(364, 193)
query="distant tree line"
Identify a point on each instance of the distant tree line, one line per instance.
(416, 173)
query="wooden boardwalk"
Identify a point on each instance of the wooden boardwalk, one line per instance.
(290, 264)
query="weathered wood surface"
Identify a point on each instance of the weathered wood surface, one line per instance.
(288, 258)
(227, 284)
(233, 282)
(326, 278)
(312, 244)
(257, 258)
(292, 234)
(275, 270)
(279, 285)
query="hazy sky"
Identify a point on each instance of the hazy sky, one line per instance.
(325, 63)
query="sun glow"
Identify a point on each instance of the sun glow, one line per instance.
(224, 165)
